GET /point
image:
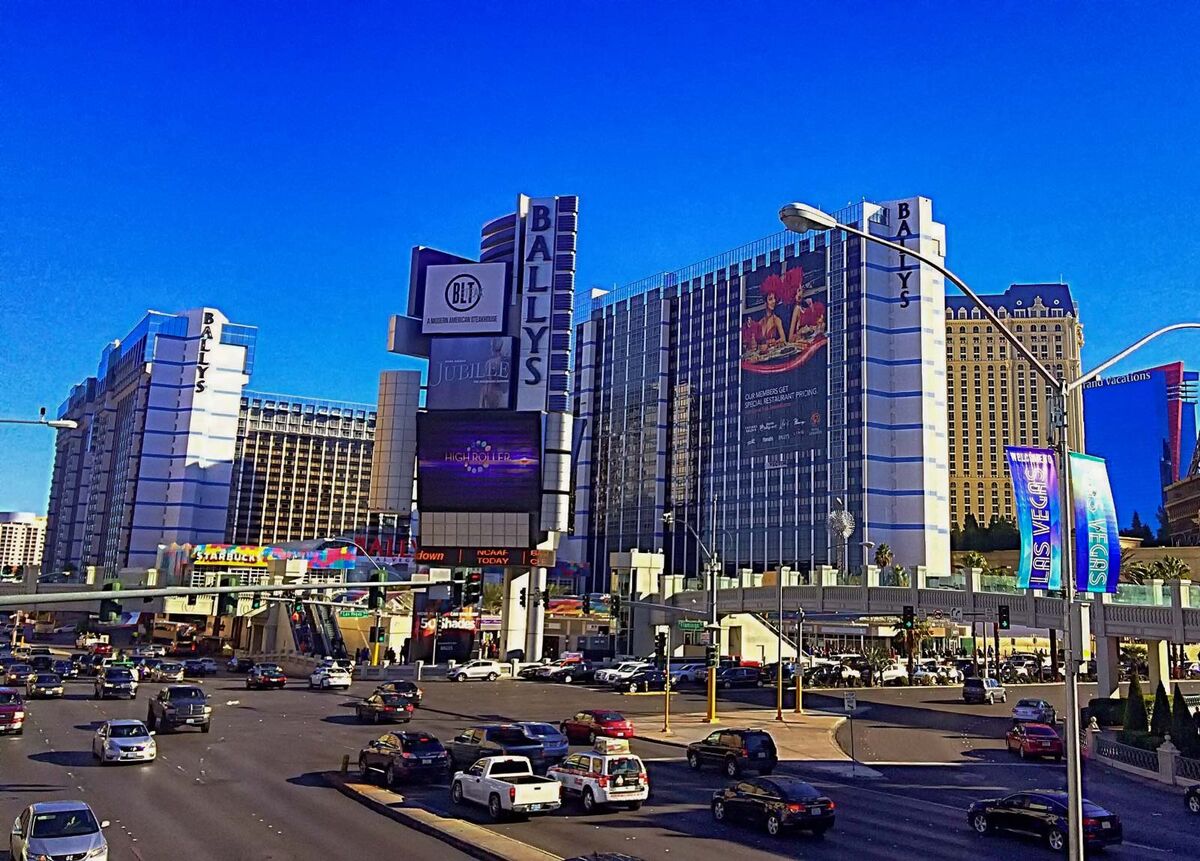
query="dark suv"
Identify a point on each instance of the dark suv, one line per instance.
(400, 756)
(735, 750)
(179, 705)
(738, 677)
(495, 740)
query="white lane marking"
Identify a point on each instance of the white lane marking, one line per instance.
(1148, 848)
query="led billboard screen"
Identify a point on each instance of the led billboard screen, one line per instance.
(470, 374)
(466, 299)
(784, 356)
(479, 461)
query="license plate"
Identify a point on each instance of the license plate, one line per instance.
(535, 807)
(816, 810)
(191, 720)
(760, 756)
(427, 762)
(1106, 825)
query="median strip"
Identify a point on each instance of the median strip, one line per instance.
(467, 837)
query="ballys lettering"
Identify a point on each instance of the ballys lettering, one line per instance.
(202, 364)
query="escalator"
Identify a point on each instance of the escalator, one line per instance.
(330, 634)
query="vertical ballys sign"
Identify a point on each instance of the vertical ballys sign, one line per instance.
(538, 277)
(1039, 518)
(1097, 546)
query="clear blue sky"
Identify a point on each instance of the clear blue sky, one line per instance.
(278, 160)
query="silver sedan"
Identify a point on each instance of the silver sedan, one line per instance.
(124, 741)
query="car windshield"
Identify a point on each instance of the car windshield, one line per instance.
(795, 790)
(422, 746)
(185, 694)
(269, 668)
(118, 674)
(20, 668)
(625, 765)
(393, 700)
(542, 730)
(752, 741)
(1030, 704)
(64, 823)
(1041, 730)
(510, 735)
(8, 698)
(127, 730)
(46, 679)
(610, 717)
(170, 668)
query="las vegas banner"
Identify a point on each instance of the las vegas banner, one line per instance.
(1039, 518)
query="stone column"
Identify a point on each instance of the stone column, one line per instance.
(1159, 663)
(1108, 667)
(512, 614)
(536, 619)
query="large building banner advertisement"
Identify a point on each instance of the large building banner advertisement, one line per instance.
(784, 356)
(479, 461)
(1097, 547)
(1039, 518)
(470, 374)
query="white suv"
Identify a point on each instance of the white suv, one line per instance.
(487, 670)
(621, 672)
(329, 676)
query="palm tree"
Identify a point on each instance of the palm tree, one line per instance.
(975, 559)
(1169, 568)
(493, 597)
(1134, 570)
(883, 556)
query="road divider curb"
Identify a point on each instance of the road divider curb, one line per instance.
(467, 837)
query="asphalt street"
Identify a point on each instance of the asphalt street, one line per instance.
(249, 789)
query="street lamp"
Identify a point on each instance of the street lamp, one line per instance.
(378, 610)
(714, 624)
(801, 218)
(57, 424)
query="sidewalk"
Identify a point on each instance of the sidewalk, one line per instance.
(805, 739)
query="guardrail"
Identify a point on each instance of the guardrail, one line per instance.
(1147, 760)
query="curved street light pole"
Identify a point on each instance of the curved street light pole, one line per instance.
(801, 218)
(378, 610)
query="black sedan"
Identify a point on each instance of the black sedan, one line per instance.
(238, 664)
(1192, 798)
(575, 671)
(64, 669)
(775, 803)
(404, 689)
(646, 680)
(384, 707)
(737, 677)
(1042, 814)
(400, 756)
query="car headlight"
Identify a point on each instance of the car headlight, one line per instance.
(40, 858)
(98, 852)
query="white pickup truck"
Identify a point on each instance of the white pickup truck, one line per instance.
(507, 786)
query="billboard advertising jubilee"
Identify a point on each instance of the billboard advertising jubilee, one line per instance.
(1039, 518)
(478, 460)
(465, 299)
(470, 374)
(784, 356)
(1097, 545)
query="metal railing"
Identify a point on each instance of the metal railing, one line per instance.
(1127, 754)
(1187, 767)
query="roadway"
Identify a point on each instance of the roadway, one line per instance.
(250, 790)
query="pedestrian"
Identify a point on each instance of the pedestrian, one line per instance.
(390, 656)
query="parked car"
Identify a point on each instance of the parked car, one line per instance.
(211, 668)
(894, 674)
(485, 670)
(555, 745)
(591, 724)
(116, 682)
(44, 685)
(768, 674)
(123, 741)
(735, 750)
(403, 756)
(1042, 813)
(508, 739)
(543, 672)
(239, 664)
(12, 712)
(1034, 739)
(179, 705)
(193, 668)
(57, 829)
(265, 676)
(686, 674)
(507, 786)
(623, 670)
(328, 676)
(737, 677)
(383, 707)
(643, 680)
(1036, 711)
(775, 803)
(607, 775)
(574, 671)
(404, 689)
(981, 690)
(1191, 798)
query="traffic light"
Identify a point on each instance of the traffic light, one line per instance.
(227, 601)
(110, 609)
(616, 606)
(710, 656)
(524, 597)
(256, 600)
(377, 595)
(587, 605)
(1002, 615)
(909, 618)
(660, 645)
(545, 596)
(472, 588)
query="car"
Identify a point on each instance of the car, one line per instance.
(12, 712)
(1028, 739)
(591, 724)
(494, 740)
(384, 707)
(543, 672)
(210, 666)
(1191, 798)
(58, 829)
(607, 775)
(735, 750)
(529, 672)
(1042, 813)
(554, 744)
(981, 690)
(768, 674)
(265, 676)
(404, 689)
(240, 664)
(643, 680)
(775, 803)
(685, 674)
(18, 674)
(87, 639)
(90, 665)
(116, 682)
(737, 677)
(168, 671)
(403, 756)
(104, 649)
(194, 668)
(44, 685)
(574, 671)
(485, 670)
(1035, 711)
(621, 671)
(894, 674)
(42, 663)
(507, 786)
(64, 668)
(179, 705)
(123, 741)
(329, 676)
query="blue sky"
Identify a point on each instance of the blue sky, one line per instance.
(279, 160)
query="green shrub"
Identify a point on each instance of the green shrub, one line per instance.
(1160, 718)
(1143, 740)
(1183, 728)
(1136, 719)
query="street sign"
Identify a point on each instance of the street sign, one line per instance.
(937, 615)
(850, 702)
(957, 614)
(690, 624)
(353, 614)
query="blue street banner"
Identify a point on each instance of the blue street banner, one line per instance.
(1097, 547)
(1039, 518)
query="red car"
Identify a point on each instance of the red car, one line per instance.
(1034, 739)
(12, 711)
(591, 724)
(265, 676)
